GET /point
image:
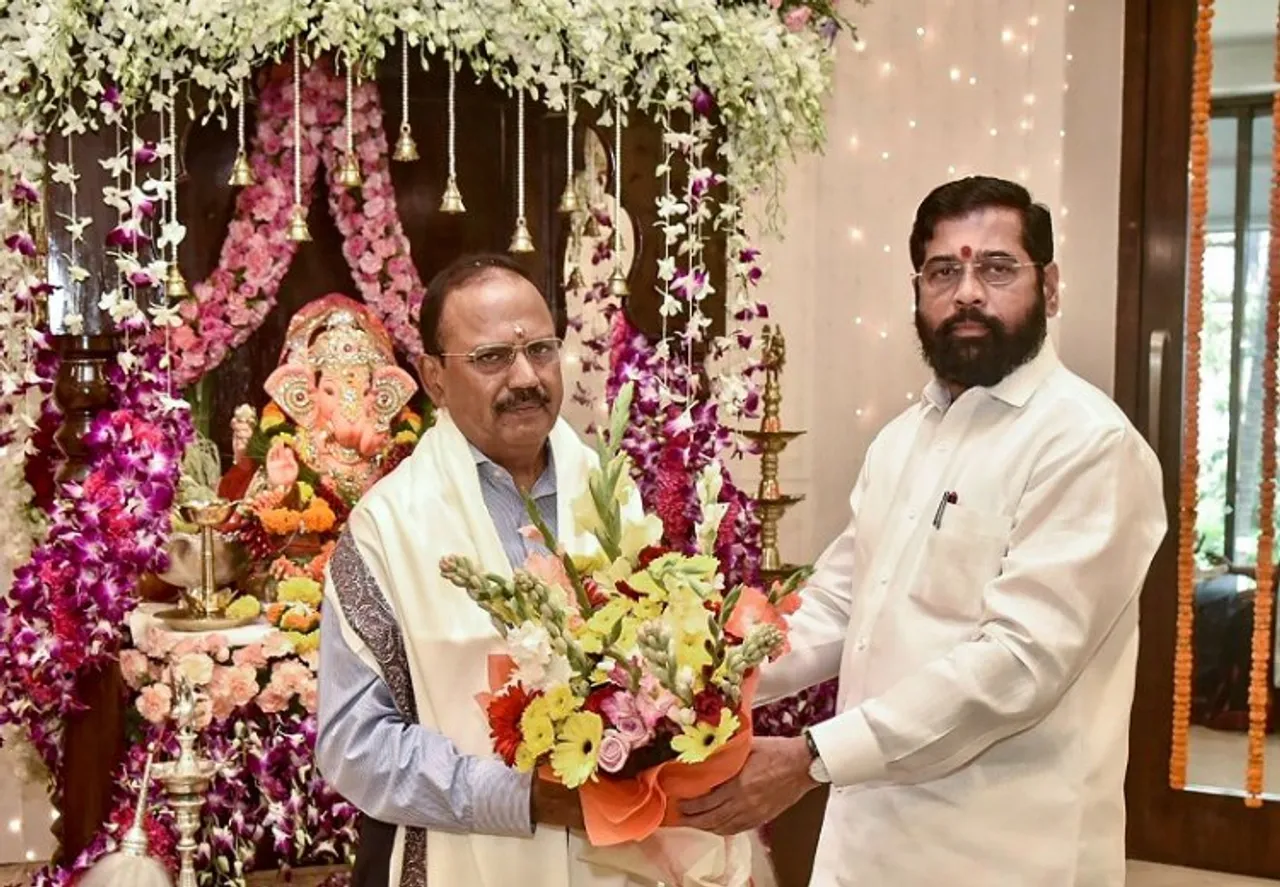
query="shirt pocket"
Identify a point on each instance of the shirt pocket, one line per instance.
(957, 561)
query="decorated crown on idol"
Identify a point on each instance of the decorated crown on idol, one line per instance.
(631, 663)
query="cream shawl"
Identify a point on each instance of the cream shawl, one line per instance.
(430, 642)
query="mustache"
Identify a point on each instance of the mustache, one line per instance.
(522, 397)
(970, 314)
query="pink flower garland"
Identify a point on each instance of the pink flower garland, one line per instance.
(232, 303)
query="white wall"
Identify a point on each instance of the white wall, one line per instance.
(1025, 89)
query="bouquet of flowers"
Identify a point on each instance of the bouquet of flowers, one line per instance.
(628, 672)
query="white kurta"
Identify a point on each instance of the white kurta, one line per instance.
(986, 664)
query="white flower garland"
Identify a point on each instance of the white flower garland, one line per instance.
(768, 81)
(77, 65)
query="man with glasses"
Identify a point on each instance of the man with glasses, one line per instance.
(404, 654)
(981, 607)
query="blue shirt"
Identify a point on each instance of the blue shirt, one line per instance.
(403, 773)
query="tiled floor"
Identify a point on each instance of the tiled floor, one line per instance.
(1146, 874)
(1141, 874)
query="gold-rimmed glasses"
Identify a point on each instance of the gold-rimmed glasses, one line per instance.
(497, 357)
(940, 277)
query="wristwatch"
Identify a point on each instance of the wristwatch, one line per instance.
(817, 769)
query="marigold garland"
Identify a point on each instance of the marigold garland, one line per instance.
(1202, 79)
(1264, 598)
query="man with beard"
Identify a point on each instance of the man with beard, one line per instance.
(403, 653)
(981, 608)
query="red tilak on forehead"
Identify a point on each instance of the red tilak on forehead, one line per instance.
(965, 252)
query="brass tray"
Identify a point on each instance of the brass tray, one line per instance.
(179, 620)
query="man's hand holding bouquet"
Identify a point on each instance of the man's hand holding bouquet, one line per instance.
(628, 672)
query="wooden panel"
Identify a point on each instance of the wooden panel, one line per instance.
(1187, 828)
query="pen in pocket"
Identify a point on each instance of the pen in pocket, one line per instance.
(948, 498)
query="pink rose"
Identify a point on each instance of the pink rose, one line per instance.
(796, 18)
(196, 668)
(290, 676)
(242, 683)
(184, 646)
(308, 696)
(135, 668)
(158, 641)
(220, 694)
(215, 645)
(633, 730)
(613, 752)
(251, 656)
(154, 703)
(182, 339)
(271, 701)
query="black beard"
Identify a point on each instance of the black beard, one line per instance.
(981, 362)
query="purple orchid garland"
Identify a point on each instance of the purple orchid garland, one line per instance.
(68, 604)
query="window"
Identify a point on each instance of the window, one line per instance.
(1232, 345)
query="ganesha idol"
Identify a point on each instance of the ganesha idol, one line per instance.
(337, 422)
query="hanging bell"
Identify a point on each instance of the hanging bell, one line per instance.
(175, 285)
(592, 228)
(569, 203)
(298, 230)
(521, 240)
(406, 147)
(241, 172)
(576, 281)
(618, 283)
(349, 172)
(451, 201)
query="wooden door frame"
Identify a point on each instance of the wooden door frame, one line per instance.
(1187, 828)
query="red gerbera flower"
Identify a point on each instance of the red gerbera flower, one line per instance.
(505, 710)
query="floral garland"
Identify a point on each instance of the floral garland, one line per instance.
(227, 308)
(24, 381)
(67, 604)
(768, 63)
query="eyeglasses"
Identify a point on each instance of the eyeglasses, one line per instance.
(495, 358)
(940, 277)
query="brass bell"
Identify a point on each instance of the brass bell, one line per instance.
(175, 285)
(522, 240)
(349, 172)
(569, 199)
(592, 228)
(241, 172)
(298, 230)
(576, 281)
(451, 200)
(618, 282)
(406, 147)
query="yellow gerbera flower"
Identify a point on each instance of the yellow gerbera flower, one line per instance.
(560, 702)
(538, 731)
(574, 757)
(701, 740)
(526, 760)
